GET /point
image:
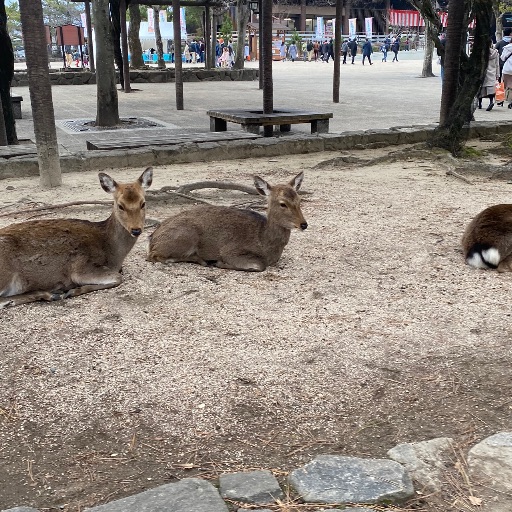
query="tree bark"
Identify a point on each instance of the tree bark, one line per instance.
(6, 75)
(268, 83)
(429, 49)
(31, 14)
(498, 18)
(242, 19)
(90, 44)
(115, 27)
(124, 46)
(136, 61)
(107, 113)
(337, 52)
(178, 64)
(158, 38)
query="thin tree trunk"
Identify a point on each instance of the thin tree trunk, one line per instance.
(3, 133)
(158, 38)
(348, 9)
(31, 14)
(6, 75)
(178, 64)
(124, 46)
(242, 19)
(115, 27)
(429, 50)
(107, 113)
(90, 44)
(136, 60)
(268, 84)
(207, 37)
(498, 18)
(337, 52)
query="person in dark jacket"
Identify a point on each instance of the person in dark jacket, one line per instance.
(353, 49)
(395, 47)
(367, 51)
(501, 44)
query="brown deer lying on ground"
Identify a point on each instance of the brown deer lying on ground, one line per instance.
(487, 241)
(232, 238)
(60, 258)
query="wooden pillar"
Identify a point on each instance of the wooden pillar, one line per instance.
(88, 24)
(213, 42)
(178, 64)
(268, 85)
(302, 19)
(208, 34)
(260, 43)
(337, 53)
(124, 46)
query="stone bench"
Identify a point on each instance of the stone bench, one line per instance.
(139, 142)
(251, 120)
(16, 105)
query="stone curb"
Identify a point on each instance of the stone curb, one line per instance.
(187, 152)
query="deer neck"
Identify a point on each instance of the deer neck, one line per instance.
(119, 242)
(275, 236)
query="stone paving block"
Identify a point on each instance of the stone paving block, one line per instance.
(256, 487)
(338, 479)
(188, 495)
(20, 509)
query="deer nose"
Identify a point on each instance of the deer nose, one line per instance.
(136, 232)
(303, 225)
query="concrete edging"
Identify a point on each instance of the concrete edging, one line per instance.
(188, 152)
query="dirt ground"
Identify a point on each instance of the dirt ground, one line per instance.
(371, 331)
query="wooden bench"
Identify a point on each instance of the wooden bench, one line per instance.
(16, 106)
(251, 120)
(138, 142)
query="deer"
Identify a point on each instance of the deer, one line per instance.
(487, 241)
(231, 238)
(53, 259)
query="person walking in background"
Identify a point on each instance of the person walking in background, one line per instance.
(225, 59)
(501, 44)
(488, 89)
(344, 51)
(282, 51)
(316, 50)
(367, 51)
(440, 53)
(395, 47)
(506, 57)
(292, 50)
(384, 50)
(309, 48)
(353, 49)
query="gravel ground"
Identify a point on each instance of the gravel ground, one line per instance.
(370, 331)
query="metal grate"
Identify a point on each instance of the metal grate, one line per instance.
(127, 123)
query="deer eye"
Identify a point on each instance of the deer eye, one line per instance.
(283, 205)
(143, 205)
(121, 207)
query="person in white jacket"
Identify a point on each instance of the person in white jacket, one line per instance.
(488, 89)
(506, 57)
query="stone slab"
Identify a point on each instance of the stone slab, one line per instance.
(255, 487)
(188, 495)
(20, 509)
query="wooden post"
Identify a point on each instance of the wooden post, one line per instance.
(268, 85)
(80, 44)
(88, 24)
(213, 42)
(337, 53)
(260, 43)
(208, 34)
(62, 46)
(3, 131)
(124, 46)
(178, 64)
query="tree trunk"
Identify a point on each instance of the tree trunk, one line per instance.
(348, 9)
(136, 60)
(107, 113)
(268, 84)
(124, 46)
(115, 27)
(178, 64)
(337, 53)
(6, 74)
(31, 14)
(90, 44)
(429, 50)
(498, 18)
(158, 38)
(243, 15)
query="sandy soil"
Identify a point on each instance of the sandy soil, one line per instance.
(371, 331)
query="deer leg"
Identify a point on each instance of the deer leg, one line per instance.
(93, 282)
(26, 298)
(505, 264)
(245, 262)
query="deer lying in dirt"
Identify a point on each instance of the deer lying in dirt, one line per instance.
(487, 241)
(60, 258)
(232, 238)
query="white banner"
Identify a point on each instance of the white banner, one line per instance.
(368, 25)
(162, 16)
(320, 28)
(83, 19)
(352, 27)
(151, 21)
(183, 24)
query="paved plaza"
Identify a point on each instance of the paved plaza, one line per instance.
(379, 96)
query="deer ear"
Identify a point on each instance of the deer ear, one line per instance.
(297, 181)
(146, 178)
(262, 186)
(107, 183)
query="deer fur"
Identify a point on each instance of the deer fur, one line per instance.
(59, 258)
(487, 241)
(232, 238)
